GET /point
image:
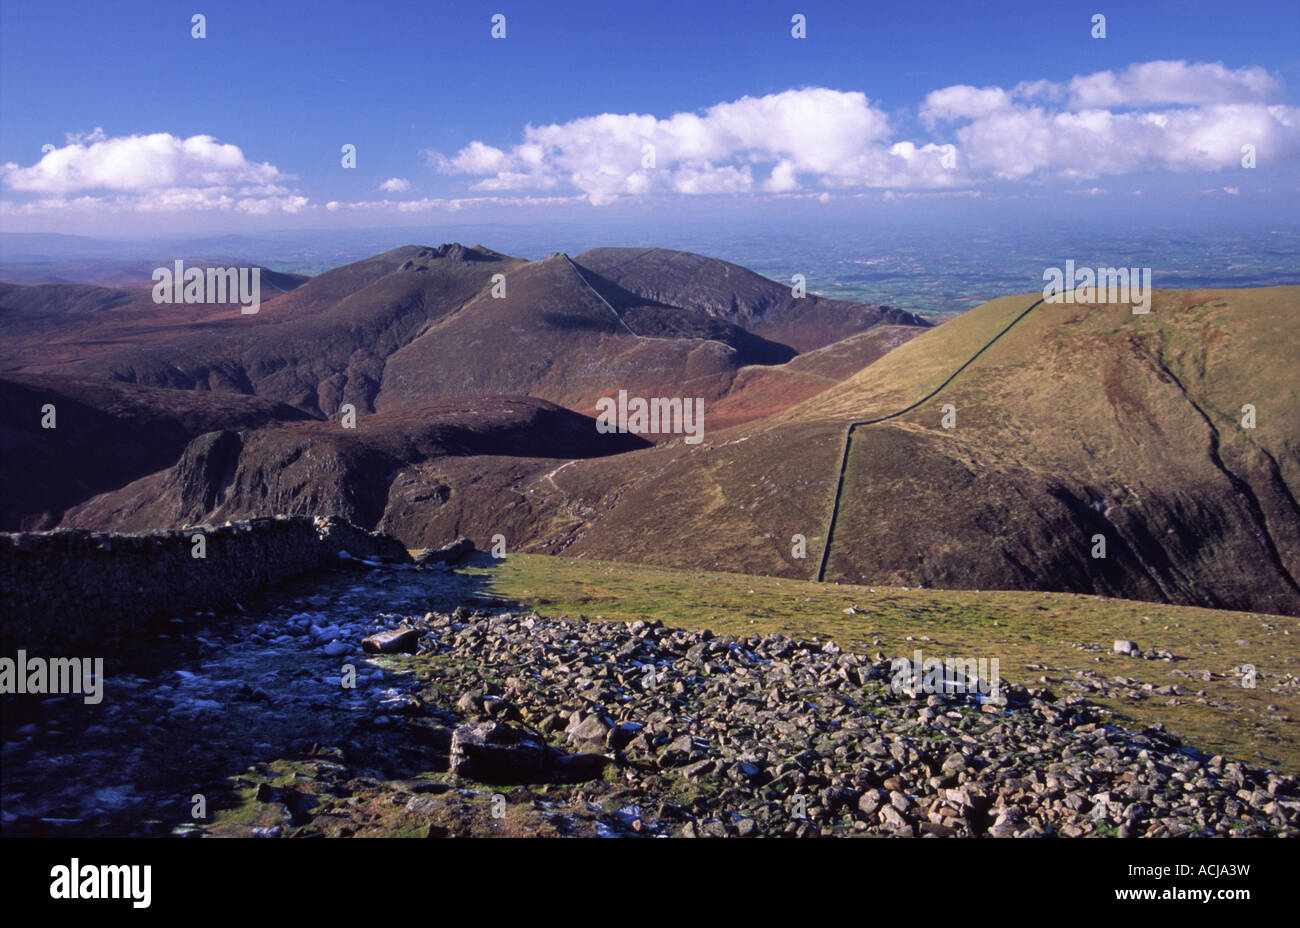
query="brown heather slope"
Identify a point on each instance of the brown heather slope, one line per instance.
(1082, 420)
(52, 325)
(759, 391)
(554, 337)
(416, 339)
(418, 324)
(738, 295)
(322, 345)
(1079, 421)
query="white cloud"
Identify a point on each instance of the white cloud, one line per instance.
(962, 101)
(834, 137)
(1196, 117)
(810, 143)
(1021, 141)
(782, 179)
(1172, 82)
(159, 172)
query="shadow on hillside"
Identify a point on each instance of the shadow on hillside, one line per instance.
(206, 707)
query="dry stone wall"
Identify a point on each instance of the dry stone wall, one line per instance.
(79, 589)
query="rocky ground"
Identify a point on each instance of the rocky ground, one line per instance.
(483, 721)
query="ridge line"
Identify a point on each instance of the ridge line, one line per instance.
(608, 305)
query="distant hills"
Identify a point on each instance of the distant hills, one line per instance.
(473, 416)
(418, 324)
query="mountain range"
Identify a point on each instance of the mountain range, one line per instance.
(472, 379)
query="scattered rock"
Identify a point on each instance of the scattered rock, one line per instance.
(395, 641)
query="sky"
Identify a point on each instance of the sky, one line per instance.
(618, 111)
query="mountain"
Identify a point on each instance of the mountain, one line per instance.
(553, 335)
(1080, 421)
(419, 324)
(737, 295)
(1075, 425)
(54, 326)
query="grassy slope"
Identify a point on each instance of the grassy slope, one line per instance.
(1121, 411)
(1018, 628)
(1082, 419)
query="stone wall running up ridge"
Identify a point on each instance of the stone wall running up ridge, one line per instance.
(67, 590)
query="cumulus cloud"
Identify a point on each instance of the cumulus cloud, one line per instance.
(1153, 116)
(771, 143)
(962, 102)
(812, 142)
(1172, 82)
(159, 172)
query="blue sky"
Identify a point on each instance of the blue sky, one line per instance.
(242, 130)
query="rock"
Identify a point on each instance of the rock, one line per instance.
(954, 763)
(394, 641)
(337, 648)
(591, 730)
(679, 751)
(452, 553)
(893, 818)
(424, 805)
(623, 734)
(702, 769)
(939, 831)
(492, 752)
(870, 801)
(1124, 646)
(576, 768)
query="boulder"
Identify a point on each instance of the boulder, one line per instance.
(492, 752)
(393, 641)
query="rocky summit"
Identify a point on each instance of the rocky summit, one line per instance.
(465, 717)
